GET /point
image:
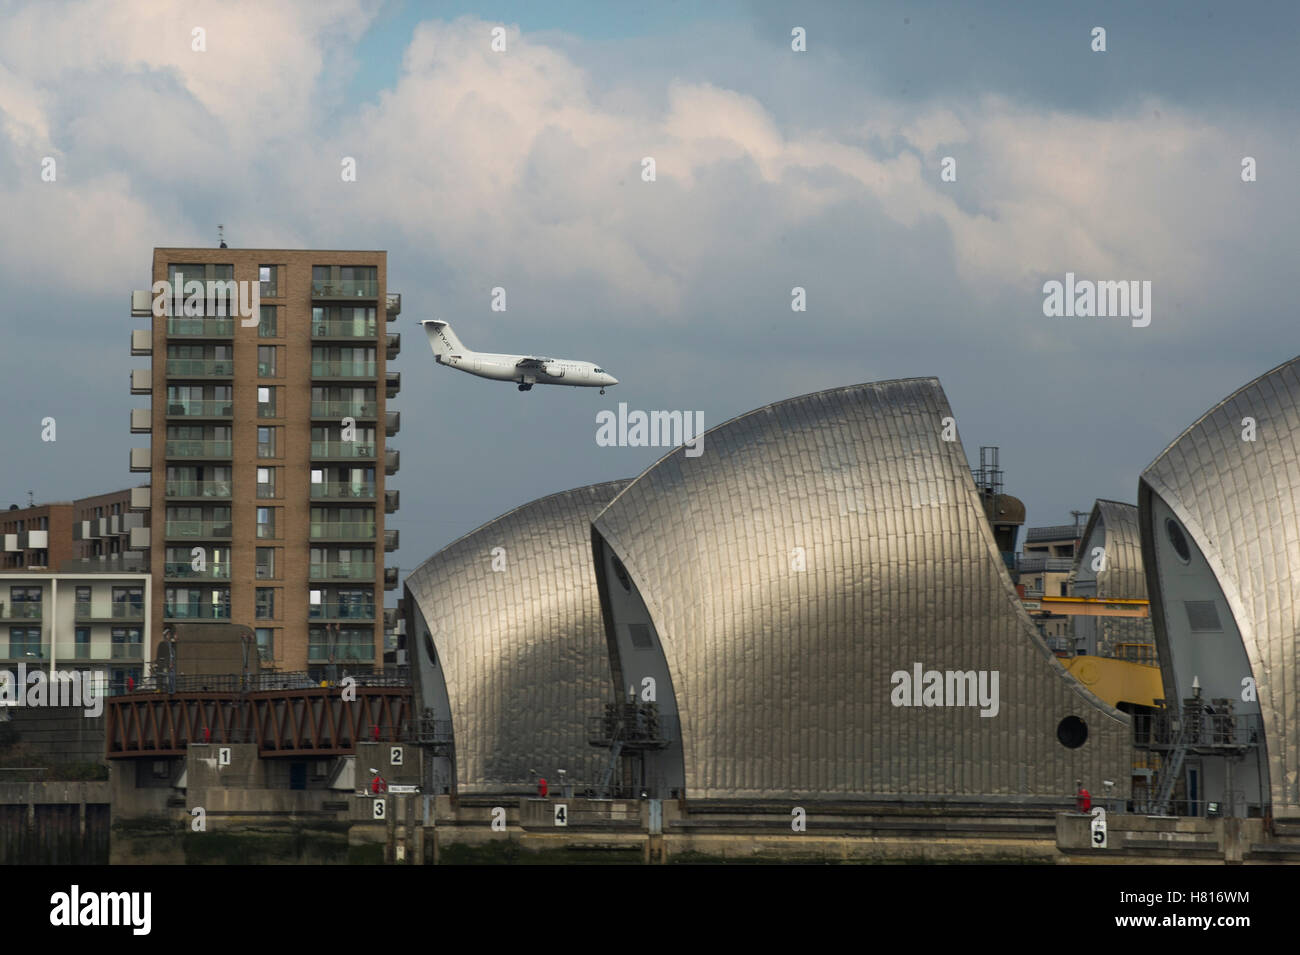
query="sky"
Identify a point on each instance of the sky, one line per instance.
(774, 169)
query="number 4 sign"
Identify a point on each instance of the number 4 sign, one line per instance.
(1098, 827)
(561, 814)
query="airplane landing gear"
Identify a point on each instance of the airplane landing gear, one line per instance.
(525, 387)
(602, 391)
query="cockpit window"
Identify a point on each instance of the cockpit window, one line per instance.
(600, 371)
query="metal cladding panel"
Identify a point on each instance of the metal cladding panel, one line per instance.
(522, 650)
(1122, 575)
(1239, 500)
(783, 678)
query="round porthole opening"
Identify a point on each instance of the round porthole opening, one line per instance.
(1072, 732)
(1178, 540)
(621, 573)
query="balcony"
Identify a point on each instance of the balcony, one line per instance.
(338, 410)
(184, 570)
(140, 459)
(391, 540)
(339, 490)
(198, 449)
(196, 611)
(210, 489)
(199, 530)
(393, 345)
(390, 578)
(141, 422)
(392, 460)
(128, 651)
(393, 305)
(141, 381)
(392, 383)
(30, 610)
(356, 570)
(345, 288)
(122, 610)
(322, 450)
(201, 327)
(139, 539)
(341, 611)
(25, 652)
(34, 540)
(392, 422)
(200, 367)
(392, 501)
(342, 530)
(392, 621)
(141, 342)
(326, 328)
(343, 369)
(215, 408)
(342, 652)
(141, 303)
(140, 497)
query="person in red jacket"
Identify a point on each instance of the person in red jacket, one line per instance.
(1082, 798)
(378, 785)
(542, 787)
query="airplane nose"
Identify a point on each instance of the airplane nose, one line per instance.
(613, 380)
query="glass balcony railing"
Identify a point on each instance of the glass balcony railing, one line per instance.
(201, 367)
(343, 328)
(27, 651)
(199, 529)
(184, 569)
(128, 651)
(341, 611)
(342, 449)
(198, 489)
(342, 530)
(345, 288)
(117, 611)
(196, 611)
(201, 327)
(343, 369)
(360, 570)
(344, 409)
(349, 491)
(215, 408)
(320, 652)
(185, 448)
(25, 610)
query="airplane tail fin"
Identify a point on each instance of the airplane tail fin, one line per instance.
(443, 340)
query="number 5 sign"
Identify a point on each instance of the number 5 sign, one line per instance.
(1098, 827)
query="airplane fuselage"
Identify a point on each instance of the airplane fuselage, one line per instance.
(580, 374)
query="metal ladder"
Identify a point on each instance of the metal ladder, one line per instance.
(1169, 772)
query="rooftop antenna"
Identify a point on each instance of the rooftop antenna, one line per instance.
(31, 499)
(221, 235)
(1076, 515)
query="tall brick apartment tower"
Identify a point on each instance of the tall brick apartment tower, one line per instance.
(269, 456)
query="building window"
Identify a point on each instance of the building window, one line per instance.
(266, 442)
(128, 601)
(266, 401)
(267, 325)
(265, 644)
(266, 361)
(265, 606)
(266, 482)
(82, 637)
(265, 563)
(269, 278)
(266, 522)
(127, 643)
(25, 643)
(26, 602)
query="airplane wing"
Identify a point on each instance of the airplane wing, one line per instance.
(536, 363)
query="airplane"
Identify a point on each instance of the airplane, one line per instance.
(526, 370)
